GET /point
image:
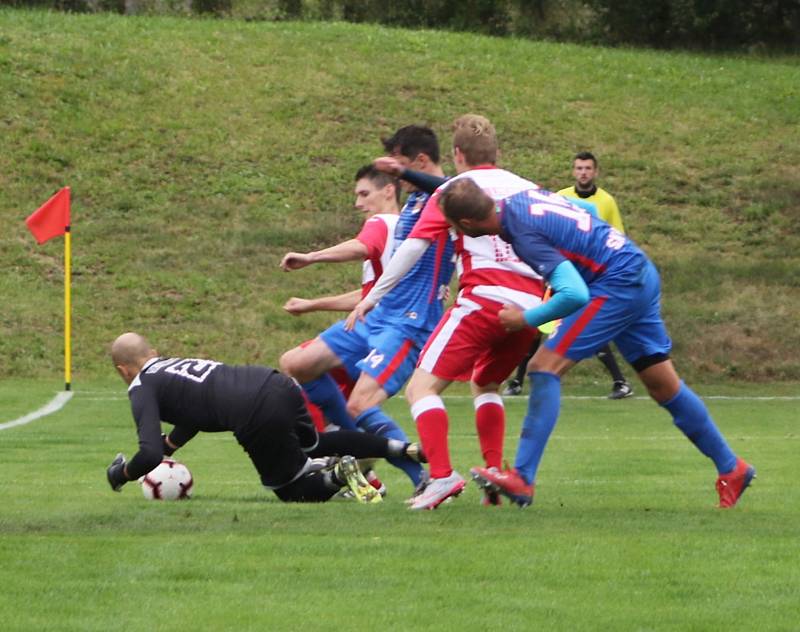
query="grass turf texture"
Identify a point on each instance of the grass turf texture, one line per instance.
(199, 151)
(623, 534)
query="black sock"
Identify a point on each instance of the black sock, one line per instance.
(606, 356)
(522, 369)
(310, 488)
(361, 445)
(333, 480)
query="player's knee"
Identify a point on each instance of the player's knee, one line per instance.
(294, 364)
(547, 361)
(356, 405)
(658, 376)
(417, 387)
(412, 392)
(538, 366)
(285, 363)
(661, 391)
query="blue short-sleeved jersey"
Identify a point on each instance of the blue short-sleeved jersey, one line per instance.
(624, 305)
(417, 301)
(545, 229)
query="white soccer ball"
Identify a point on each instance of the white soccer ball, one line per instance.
(170, 480)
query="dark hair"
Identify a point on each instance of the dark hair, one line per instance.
(464, 199)
(585, 155)
(412, 140)
(379, 178)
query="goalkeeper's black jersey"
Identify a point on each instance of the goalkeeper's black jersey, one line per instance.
(194, 395)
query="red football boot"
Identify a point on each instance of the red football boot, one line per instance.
(506, 482)
(731, 486)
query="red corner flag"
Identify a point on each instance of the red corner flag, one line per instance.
(51, 219)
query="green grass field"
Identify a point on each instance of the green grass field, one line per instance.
(623, 535)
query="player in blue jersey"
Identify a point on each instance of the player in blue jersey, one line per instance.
(605, 289)
(515, 384)
(380, 353)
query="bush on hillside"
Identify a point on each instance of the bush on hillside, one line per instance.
(714, 24)
(709, 24)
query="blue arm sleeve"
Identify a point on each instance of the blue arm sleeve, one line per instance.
(586, 206)
(570, 293)
(423, 181)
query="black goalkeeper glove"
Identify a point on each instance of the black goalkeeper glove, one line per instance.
(166, 448)
(116, 473)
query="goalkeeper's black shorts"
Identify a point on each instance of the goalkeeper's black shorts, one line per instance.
(280, 435)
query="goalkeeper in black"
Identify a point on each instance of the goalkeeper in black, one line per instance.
(265, 411)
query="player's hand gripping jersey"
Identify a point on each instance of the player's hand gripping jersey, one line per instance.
(488, 267)
(418, 299)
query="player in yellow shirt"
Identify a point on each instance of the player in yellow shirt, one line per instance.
(585, 170)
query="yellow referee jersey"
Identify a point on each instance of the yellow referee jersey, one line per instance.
(605, 203)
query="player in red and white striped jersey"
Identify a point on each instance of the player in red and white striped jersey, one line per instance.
(377, 196)
(469, 343)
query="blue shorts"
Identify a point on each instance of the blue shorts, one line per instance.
(387, 353)
(625, 312)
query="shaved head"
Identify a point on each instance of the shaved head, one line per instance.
(131, 350)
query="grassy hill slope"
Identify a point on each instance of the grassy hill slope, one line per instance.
(199, 151)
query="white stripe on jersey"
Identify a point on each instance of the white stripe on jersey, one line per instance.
(368, 272)
(507, 296)
(438, 341)
(490, 252)
(498, 183)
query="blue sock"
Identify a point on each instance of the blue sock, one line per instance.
(324, 392)
(375, 421)
(543, 407)
(691, 415)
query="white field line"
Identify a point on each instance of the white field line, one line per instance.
(54, 405)
(58, 402)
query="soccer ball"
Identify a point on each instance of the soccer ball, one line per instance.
(170, 480)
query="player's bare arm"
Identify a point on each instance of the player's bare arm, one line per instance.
(297, 306)
(350, 250)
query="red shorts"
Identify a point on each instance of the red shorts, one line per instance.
(470, 344)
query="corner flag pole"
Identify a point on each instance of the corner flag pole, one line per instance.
(67, 308)
(52, 219)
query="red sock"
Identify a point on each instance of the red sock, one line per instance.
(490, 422)
(432, 422)
(316, 414)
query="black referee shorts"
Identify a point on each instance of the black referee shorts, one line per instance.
(280, 434)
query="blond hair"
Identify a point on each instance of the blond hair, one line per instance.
(475, 136)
